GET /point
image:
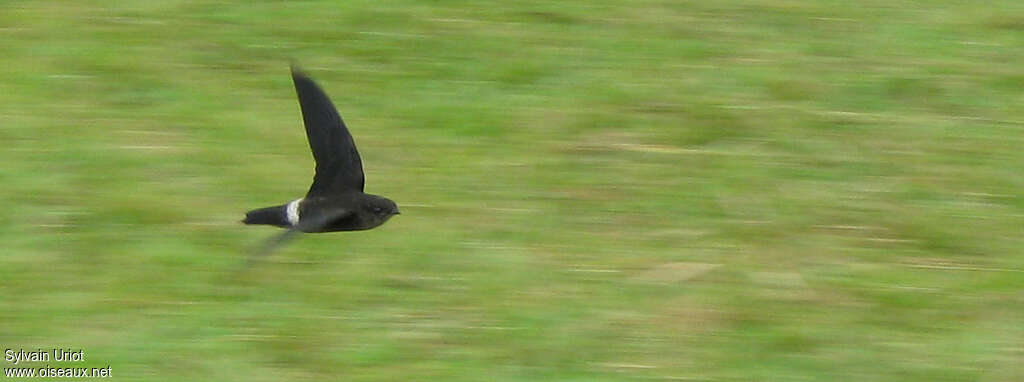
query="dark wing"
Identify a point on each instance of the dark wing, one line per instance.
(338, 167)
(307, 225)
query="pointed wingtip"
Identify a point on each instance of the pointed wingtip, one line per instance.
(296, 69)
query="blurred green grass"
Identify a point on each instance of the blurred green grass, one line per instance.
(773, 190)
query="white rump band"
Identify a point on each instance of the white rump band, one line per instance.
(293, 212)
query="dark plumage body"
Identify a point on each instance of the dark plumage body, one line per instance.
(335, 201)
(370, 212)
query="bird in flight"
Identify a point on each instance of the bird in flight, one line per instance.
(335, 201)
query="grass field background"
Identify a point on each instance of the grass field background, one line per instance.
(738, 190)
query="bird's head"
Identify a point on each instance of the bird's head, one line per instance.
(381, 207)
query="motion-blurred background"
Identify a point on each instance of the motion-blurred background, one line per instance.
(738, 190)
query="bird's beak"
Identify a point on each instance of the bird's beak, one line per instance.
(397, 212)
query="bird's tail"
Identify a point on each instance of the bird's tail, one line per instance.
(275, 216)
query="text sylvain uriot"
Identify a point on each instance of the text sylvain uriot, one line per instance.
(40, 355)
